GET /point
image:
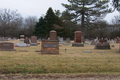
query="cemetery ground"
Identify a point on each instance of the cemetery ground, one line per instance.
(71, 62)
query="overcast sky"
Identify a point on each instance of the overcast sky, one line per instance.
(38, 7)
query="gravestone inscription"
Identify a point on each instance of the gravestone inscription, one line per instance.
(50, 45)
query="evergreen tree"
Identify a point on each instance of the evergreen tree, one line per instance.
(48, 23)
(68, 24)
(39, 29)
(50, 20)
(87, 10)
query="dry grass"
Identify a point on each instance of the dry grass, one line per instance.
(73, 60)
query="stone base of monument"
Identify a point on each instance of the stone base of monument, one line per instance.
(105, 45)
(77, 44)
(50, 47)
(33, 44)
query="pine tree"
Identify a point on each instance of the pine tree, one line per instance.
(52, 21)
(39, 29)
(116, 5)
(48, 23)
(87, 10)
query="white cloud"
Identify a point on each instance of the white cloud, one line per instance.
(110, 16)
(39, 7)
(32, 7)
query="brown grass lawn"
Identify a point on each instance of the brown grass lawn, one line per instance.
(71, 61)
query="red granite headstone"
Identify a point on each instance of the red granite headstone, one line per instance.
(53, 35)
(50, 46)
(102, 40)
(7, 46)
(33, 39)
(26, 40)
(77, 36)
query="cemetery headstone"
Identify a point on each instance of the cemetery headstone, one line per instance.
(87, 51)
(101, 52)
(118, 41)
(33, 41)
(67, 40)
(53, 35)
(50, 46)
(7, 46)
(22, 37)
(101, 40)
(61, 40)
(77, 39)
(21, 45)
(26, 40)
(102, 44)
(23, 50)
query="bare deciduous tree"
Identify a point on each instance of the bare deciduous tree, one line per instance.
(10, 22)
(29, 24)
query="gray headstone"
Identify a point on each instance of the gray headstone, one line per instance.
(61, 40)
(66, 44)
(37, 50)
(39, 39)
(68, 40)
(21, 44)
(21, 39)
(101, 52)
(87, 51)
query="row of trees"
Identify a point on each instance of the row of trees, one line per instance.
(12, 24)
(84, 15)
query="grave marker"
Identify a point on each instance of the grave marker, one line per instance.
(26, 40)
(77, 39)
(7, 46)
(61, 40)
(50, 46)
(33, 41)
